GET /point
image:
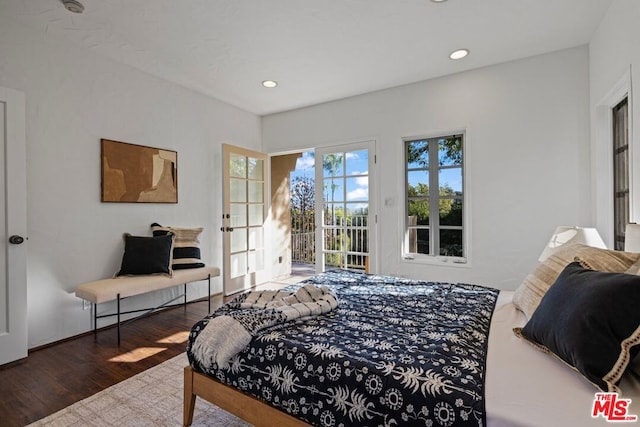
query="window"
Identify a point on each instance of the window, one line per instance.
(620, 172)
(434, 198)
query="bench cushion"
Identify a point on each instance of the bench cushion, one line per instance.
(104, 290)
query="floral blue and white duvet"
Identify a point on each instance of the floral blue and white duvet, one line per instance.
(393, 352)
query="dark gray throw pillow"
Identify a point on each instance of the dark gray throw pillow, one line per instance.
(590, 320)
(146, 255)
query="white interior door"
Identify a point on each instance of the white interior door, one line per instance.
(13, 227)
(244, 216)
(345, 207)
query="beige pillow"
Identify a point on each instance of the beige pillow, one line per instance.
(535, 285)
(634, 269)
(186, 248)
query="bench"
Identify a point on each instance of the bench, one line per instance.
(119, 288)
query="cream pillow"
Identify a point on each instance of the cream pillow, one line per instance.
(634, 269)
(186, 248)
(535, 285)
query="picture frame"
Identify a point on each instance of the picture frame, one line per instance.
(134, 173)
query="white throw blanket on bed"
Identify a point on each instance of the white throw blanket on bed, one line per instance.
(226, 335)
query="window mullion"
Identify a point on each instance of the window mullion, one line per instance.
(434, 198)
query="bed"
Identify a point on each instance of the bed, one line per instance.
(398, 352)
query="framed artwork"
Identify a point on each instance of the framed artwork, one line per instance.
(138, 174)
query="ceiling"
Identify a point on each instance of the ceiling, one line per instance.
(317, 51)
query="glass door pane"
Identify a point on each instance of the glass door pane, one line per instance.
(344, 206)
(243, 218)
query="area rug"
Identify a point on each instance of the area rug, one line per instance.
(151, 398)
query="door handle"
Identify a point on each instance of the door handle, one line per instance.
(223, 229)
(16, 240)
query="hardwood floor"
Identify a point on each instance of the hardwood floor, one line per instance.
(54, 377)
(59, 375)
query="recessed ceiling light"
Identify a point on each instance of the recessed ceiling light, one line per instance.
(459, 54)
(73, 6)
(438, 1)
(269, 83)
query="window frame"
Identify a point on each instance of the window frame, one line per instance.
(621, 147)
(434, 194)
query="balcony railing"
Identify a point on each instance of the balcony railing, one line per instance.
(303, 243)
(303, 247)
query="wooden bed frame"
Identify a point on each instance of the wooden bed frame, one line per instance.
(247, 407)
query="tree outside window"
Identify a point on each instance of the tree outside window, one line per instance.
(434, 196)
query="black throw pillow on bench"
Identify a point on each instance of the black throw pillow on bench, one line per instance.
(146, 255)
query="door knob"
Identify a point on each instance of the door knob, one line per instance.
(16, 240)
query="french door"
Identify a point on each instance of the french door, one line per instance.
(243, 218)
(13, 227)
(345, 207)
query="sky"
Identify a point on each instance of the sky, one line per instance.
(358, 186)
(356, 178)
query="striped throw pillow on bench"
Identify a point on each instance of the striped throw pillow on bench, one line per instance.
(186, 249)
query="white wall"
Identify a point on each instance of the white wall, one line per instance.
(614, 63)
(74, 98)
(527, 156)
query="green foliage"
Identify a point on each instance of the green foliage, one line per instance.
(450, 150)
(332, 163)
(336, 241)
(419, 206)
(420, 156)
